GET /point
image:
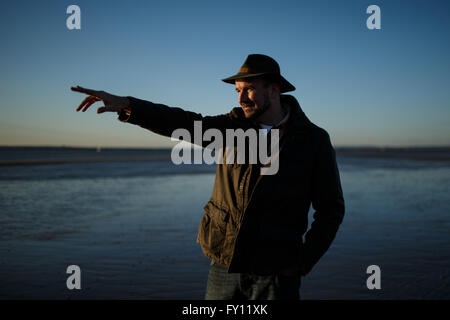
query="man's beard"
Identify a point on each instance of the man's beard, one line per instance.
(258, 112)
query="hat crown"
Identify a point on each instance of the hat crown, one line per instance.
(259, 63)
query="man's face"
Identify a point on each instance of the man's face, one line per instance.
(253, 96)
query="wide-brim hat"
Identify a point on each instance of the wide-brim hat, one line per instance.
(261, 65)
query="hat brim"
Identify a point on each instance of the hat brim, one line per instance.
(285, 86)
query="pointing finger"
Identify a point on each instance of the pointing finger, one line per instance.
(91, 92)
(82, 90)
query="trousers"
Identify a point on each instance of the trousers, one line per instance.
(222, 285)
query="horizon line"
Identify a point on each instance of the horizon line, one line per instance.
(169, 147)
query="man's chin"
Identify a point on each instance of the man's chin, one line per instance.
(250, 113)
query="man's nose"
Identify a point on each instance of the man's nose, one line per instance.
(243, 97)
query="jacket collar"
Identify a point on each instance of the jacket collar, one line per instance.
(298, 121)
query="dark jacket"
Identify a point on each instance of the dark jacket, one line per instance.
(252, 222)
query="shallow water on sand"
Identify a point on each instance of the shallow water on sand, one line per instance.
(132, 226)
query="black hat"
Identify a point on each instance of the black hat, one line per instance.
(260, 65)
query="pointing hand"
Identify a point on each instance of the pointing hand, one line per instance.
(112, 102)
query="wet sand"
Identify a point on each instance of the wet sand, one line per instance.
(131, 227)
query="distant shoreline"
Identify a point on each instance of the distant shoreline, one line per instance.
(83, 160)
(377, 148)
(410, 153)
(35, 155)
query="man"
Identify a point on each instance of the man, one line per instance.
(253, 225)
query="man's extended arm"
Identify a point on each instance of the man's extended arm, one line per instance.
(164, 120)
(155, 117)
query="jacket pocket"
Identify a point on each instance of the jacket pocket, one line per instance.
(212, 229)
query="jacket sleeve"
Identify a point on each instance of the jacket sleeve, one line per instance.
(163, 119)
(328, 203)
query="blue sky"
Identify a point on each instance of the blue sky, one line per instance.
(388, 87)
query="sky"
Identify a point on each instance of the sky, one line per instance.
(387, 87)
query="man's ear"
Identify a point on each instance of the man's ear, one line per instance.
(275, 89)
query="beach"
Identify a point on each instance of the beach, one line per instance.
(129, 219)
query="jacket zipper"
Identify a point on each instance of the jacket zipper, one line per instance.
(250, 199)
(257, 182)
